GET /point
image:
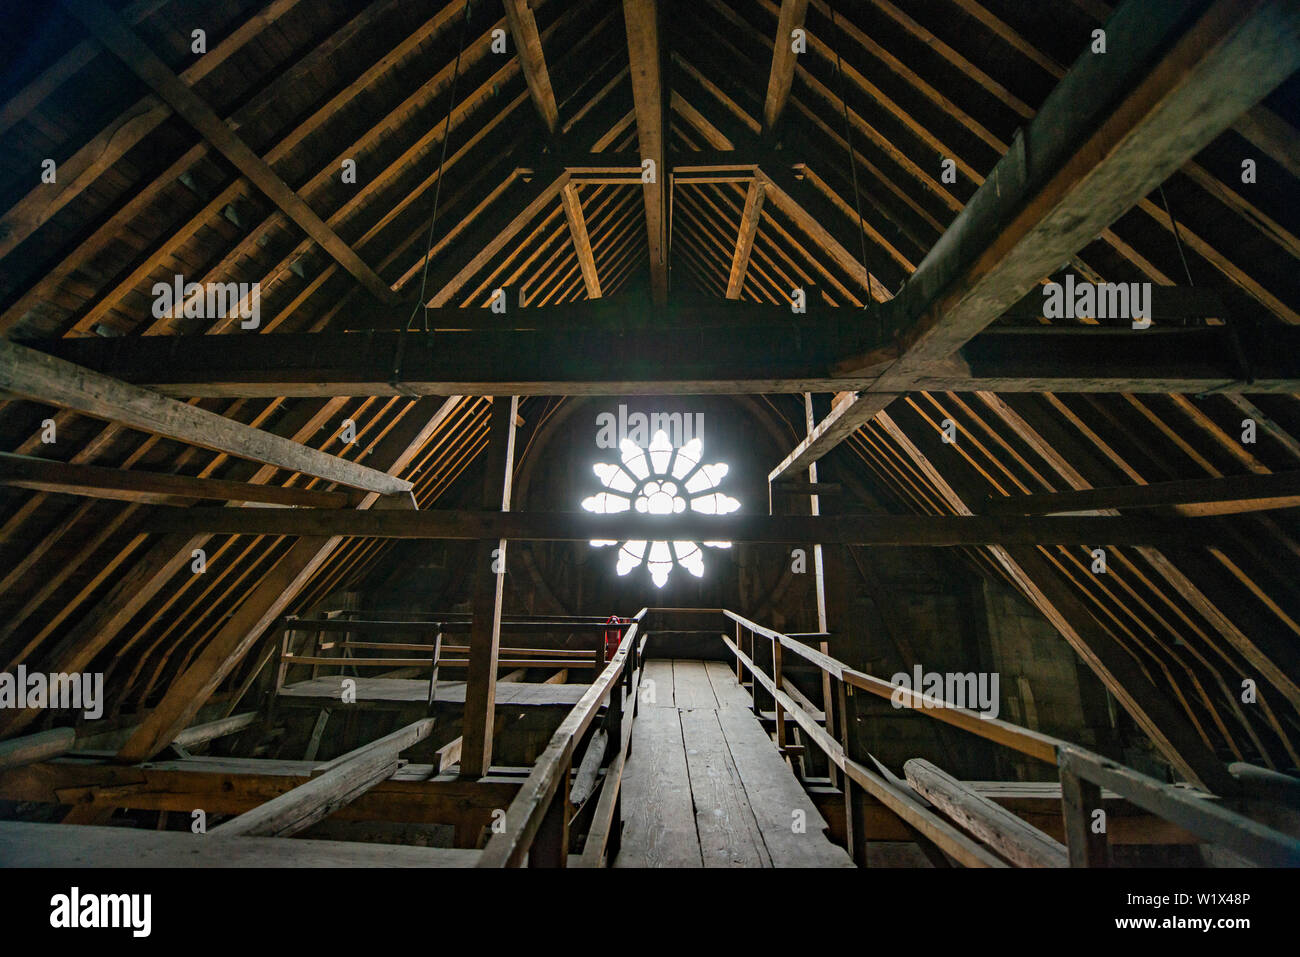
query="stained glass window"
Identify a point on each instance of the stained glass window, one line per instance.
(660, 480)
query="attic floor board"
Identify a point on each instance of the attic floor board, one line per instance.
(67, 845)
(512, 693)
(705, 785)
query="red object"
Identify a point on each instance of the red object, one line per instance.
(613, 636)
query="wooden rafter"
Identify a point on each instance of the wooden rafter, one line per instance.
(781, 77)
(581, 241)
(641, 19)
(109, 29)
(749, 219)
(528, 47)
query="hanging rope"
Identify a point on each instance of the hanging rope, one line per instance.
(853, 167)
(422, 303)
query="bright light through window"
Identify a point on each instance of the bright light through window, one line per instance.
(661, 480)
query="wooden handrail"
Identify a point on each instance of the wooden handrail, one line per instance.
(1082, 772)
(1032, 743)
(533, 802)
(442, 662)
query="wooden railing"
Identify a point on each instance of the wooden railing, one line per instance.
(1082, 772)
(536, 824)
(434, 654)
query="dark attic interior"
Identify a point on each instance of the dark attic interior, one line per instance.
(617, 433)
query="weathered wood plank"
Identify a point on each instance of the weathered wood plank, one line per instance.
(53, 845)
(1020, 843)
(657, 683)
(729, 835)
(659, 828)
(779, 804)
(691, 686)
(345, 779)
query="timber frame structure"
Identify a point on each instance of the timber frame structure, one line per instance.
(429, 227)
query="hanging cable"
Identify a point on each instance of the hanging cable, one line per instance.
(853, 167)
(421, 303)
(1177, 239)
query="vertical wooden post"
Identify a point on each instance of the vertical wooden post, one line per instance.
(855, 838)
(613, 746)
(814, 508)
(777, 674)
(489, 579)
(740, 670)
(1079, 798)
(828, 709)
(433, 670)
(284, 665)
(551, 845)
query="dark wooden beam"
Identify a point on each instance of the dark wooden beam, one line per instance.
(43, 378)
(156, 488)
(489, 583)
(528, 47)
(121, 40)
(642, 20)
(583, 526)
(1226, 495)
(612, 347)
(1114, 128)
(781, 78)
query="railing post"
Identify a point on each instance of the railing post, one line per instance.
(854, 834)
(433, 671)
(1079, 799)
(614, 747)
(828, 709)
(740, 669)
(550, 846)
(777, 673)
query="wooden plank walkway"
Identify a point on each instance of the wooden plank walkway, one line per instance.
(706, 787)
